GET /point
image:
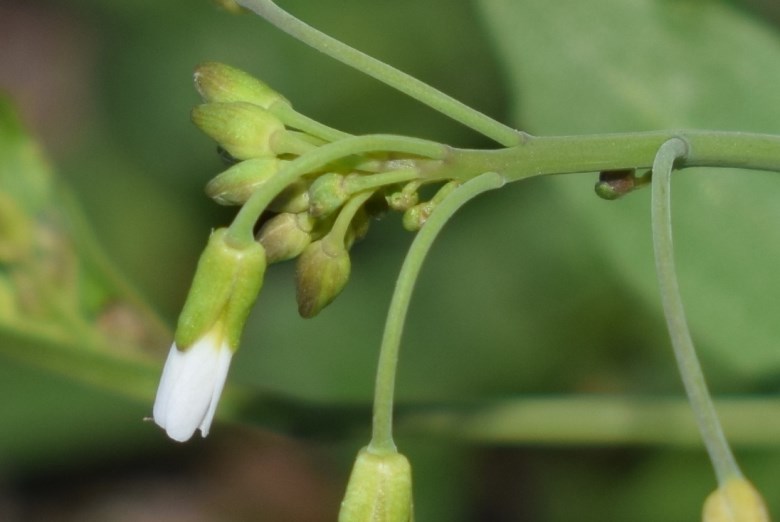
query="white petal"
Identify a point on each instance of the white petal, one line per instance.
(190, 386)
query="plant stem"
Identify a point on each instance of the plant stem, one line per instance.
(382, 434)
(241, 231)
(693, 378)
(570, 154)
(386, 74)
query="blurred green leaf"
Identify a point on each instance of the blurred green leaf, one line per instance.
(584, 67)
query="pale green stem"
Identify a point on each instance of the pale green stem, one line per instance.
(241, 230)
(382, 434)
(339, 229)
(386, 74)
(296, 120)
(692, 376)
(355, 184)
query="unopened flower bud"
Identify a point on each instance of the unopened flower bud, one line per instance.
(243, 129)
(285, 236)
(217, 82)
(415, 217)
(294, 198)
(379, 489)
(402, 200)
(322, 272)
(225, 287)
(326, 194)
(735, 501)
(235, 185)
(613, 184)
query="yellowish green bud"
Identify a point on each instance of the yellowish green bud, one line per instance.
(735, 501)
(402, 200)
(326, 194)
(217, 82)
(243, 129)
(229, 5)
(379, 489)
(225, 287)
(285, 236)
(322, 272)
(415, 217)
(235, 185)
(294, 198)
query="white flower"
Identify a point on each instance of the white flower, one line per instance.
(191, 384)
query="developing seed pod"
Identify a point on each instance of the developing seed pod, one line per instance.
(243, 129)
(217, 82)
(322, 273)
(235, 185)
(735, 501)
(326, 194)
(285, 236)
(379, 489)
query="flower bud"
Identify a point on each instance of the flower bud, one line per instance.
(285, 236)
(224, 288)
(235, 185)
(243, 129)
(735, 501)
(322, 272)
(294, 198)
(326, 194)
(402, 200)
(613, 184)
(379, 489)
(217, 82)
(415, 217)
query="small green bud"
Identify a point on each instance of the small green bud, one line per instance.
(285, 236)
(243, 129)
(379, 489)
(402, 200)
(235, 185)
(322, 272)
(735, 501)
(416, 216)
(225, 286)
(294, 198)
(326, 194)
(613, 184)
(217, 82)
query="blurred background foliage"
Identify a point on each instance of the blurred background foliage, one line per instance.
(538, 289)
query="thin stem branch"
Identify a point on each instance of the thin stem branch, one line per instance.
(386, 74)
(692, 376)
(382, 435)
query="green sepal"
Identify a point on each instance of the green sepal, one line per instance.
(322, 273)
(243, 129)
(235, 185)
(286, 235)
(379, 489)
(225, 286)
(218, 82)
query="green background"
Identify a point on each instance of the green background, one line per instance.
(540, 288)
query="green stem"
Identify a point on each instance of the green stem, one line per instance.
(296, 120)
(339, 229)
(241, 231)
(693, 378)
(570, 154)
(382, 434)
(386, 74)
(354, 184)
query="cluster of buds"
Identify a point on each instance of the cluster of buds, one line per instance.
(314, 215)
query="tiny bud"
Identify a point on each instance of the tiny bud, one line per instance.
(217, 82)
(294, 198)
(322, 272)
(326, 194)
(235, 185)
(416, 216)
(379, 489)
(613, 184)
(285, 236)
(243, 129)
(735, 501)
(402, 201)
